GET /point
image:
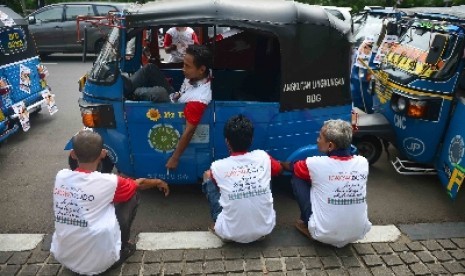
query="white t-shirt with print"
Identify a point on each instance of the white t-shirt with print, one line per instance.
(87, 237)
(199, 91)
(181, 39)
(338, 198)
(244, 183)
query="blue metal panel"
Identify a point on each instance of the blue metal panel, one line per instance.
(280, 134)
(451, 161)
(27, 90)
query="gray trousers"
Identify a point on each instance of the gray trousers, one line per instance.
(149, 84)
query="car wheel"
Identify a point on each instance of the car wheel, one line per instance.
(369, 147)
(105, 166)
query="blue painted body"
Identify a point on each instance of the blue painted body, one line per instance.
(286, 136)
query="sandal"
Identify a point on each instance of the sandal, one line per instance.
(300, 225)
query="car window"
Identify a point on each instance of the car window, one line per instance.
(103, 10)
(53, 14)
(336, 13)
(72, 11)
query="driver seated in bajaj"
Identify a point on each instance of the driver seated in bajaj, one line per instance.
(148, 83)
(195, 92)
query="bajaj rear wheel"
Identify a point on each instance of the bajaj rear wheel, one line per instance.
(105, 166)
(369, 147)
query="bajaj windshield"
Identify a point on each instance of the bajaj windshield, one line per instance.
(106, 65)
(423, 53)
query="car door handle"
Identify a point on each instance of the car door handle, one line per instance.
(58, 27)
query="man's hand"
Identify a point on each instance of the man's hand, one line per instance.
(163, 187)
(144, 183)
(172, 163)
(207, 175)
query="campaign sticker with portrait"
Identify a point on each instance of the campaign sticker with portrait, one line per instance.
(50, 101)
(388, 42)
(364, 52)
(24, 79)
(21, 110)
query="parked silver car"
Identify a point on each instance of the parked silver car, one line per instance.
(54, 26)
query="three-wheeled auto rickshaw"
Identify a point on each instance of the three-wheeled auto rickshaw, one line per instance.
(421, 90)
(374, 30)
(286, 67)
(23, 86)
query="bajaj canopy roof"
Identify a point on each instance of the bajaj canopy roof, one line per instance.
(202, 11)
(10, 18)
(314, 44)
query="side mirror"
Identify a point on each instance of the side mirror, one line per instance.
(437, 48)
(32, 20)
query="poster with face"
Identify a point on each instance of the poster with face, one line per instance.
(388, 42)
(50, 101)
(21, 110)
(24, 79)
(364, 52)
(6, 20)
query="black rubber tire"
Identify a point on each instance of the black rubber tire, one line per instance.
(369, 147)
(105, 166)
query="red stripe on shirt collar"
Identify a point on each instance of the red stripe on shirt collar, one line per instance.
(342, 158)
(82, 170)
(238, 153)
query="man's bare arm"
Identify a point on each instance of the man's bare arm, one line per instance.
(182, 145)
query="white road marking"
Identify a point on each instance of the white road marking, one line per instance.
(381, 233)
(181, 240)
(178, 240)
(19, 242)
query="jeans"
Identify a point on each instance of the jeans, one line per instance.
(301, 189)
(125, 213)
(213, 196)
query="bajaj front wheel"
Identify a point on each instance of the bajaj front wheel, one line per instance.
(369, 147)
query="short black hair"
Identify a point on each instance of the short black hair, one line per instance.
(87, 146)
(238, 130)
(202, 56)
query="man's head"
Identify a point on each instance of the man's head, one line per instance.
(197, 62)
(238, 132)
(87, 147)
(335, 134)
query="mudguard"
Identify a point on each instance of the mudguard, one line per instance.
(374, 124)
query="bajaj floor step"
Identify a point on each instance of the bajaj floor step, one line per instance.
(411, 168)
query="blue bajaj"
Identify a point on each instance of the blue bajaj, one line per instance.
(421, 88)
(265, 67)
(23, 86)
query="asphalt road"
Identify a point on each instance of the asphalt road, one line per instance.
(29, 162)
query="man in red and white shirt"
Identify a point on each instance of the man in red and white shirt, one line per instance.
(238, 187)
(177, 39)
(94, 211)
(195, 92)
(331, 190)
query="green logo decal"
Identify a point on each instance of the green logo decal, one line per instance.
(163, 138)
